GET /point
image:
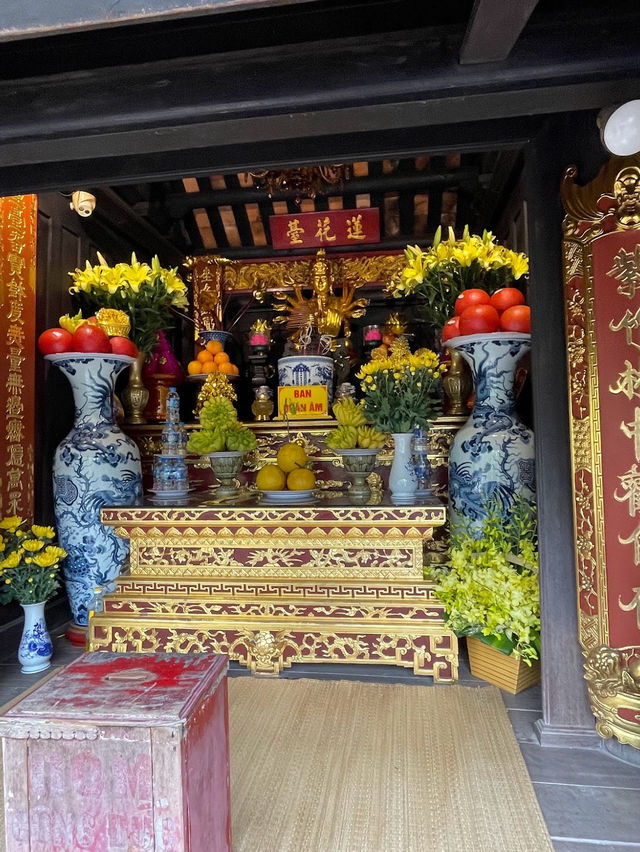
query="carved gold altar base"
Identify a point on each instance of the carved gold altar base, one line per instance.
(272, 586)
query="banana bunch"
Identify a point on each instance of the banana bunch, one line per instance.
(369, 438)
(240, 439)
(343, 438)
(348, 413)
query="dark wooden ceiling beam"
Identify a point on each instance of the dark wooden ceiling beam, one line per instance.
(178, 204)
(41, 176)
(493, 29)
(351, 86)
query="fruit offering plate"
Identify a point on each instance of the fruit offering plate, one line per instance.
(288, 497)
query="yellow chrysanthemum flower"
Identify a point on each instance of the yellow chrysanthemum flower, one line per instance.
(43, 532)
(12, 560)
(11, 523)
(45, 560)
(33, 545)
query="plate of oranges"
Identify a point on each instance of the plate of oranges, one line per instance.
(212, 359)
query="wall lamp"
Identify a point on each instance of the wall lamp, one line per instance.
(620, 128)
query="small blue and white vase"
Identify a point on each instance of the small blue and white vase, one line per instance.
(34, 653)
(96, 465)
(492, 455)
(403, 483)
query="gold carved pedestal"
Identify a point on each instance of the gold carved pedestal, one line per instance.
(272, 585)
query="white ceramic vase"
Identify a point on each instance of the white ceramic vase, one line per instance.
(34, 652)
(403, 483)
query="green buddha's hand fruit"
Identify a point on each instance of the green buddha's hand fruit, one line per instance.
(343, 438)
(218, 413)
(369, 438)
(206, 441)
(240, 439)
(348, 412)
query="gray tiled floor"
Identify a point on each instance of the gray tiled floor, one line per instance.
(590, 800)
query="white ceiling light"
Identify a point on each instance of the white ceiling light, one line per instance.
(620, 128)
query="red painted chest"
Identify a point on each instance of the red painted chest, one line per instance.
(120, 753)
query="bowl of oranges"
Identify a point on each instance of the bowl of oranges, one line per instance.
(212, 359)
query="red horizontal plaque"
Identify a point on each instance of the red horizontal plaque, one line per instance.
(325, 228)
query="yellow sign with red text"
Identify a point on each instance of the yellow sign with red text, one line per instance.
(302, 401)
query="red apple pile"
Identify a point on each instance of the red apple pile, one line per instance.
(476, 312)
(88, 337)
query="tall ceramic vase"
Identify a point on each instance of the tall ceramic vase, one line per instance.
(403, 482)
(96, 465)
(34, 651)
(491, 457)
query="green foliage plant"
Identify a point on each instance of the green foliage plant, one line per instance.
(490, 586)
(29, 561)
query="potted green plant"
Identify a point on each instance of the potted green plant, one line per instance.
(29, 574)
(491, 594)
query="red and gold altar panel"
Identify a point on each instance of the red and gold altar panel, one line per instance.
(214, 277)
(17, 330)
(274, 585)
(602, 281)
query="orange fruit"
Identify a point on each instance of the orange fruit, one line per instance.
(214, 346)
(236, 371)
(203, 356)
(301, 479)
(194, 368)
(291, 456)
(226, 367)
(209, 367)
(221, 357)
(271, 478)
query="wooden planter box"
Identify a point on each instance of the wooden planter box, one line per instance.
(120, 752)
(503, 670)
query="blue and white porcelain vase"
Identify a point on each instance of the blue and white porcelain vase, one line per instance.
(492, 456)
(96, 465)
(34, 652)
(403, 482)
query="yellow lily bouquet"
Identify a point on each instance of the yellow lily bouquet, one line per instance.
(29, 562)
(398, 392)
(146, 293)
(441, 273)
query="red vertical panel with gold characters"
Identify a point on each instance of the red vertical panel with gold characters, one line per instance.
(601, 249)
(17, 332)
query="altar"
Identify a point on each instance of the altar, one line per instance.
(275, 585)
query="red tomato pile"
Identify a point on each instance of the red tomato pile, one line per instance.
(88, 338)
(476, 312)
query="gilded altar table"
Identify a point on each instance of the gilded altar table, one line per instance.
(272, 585)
